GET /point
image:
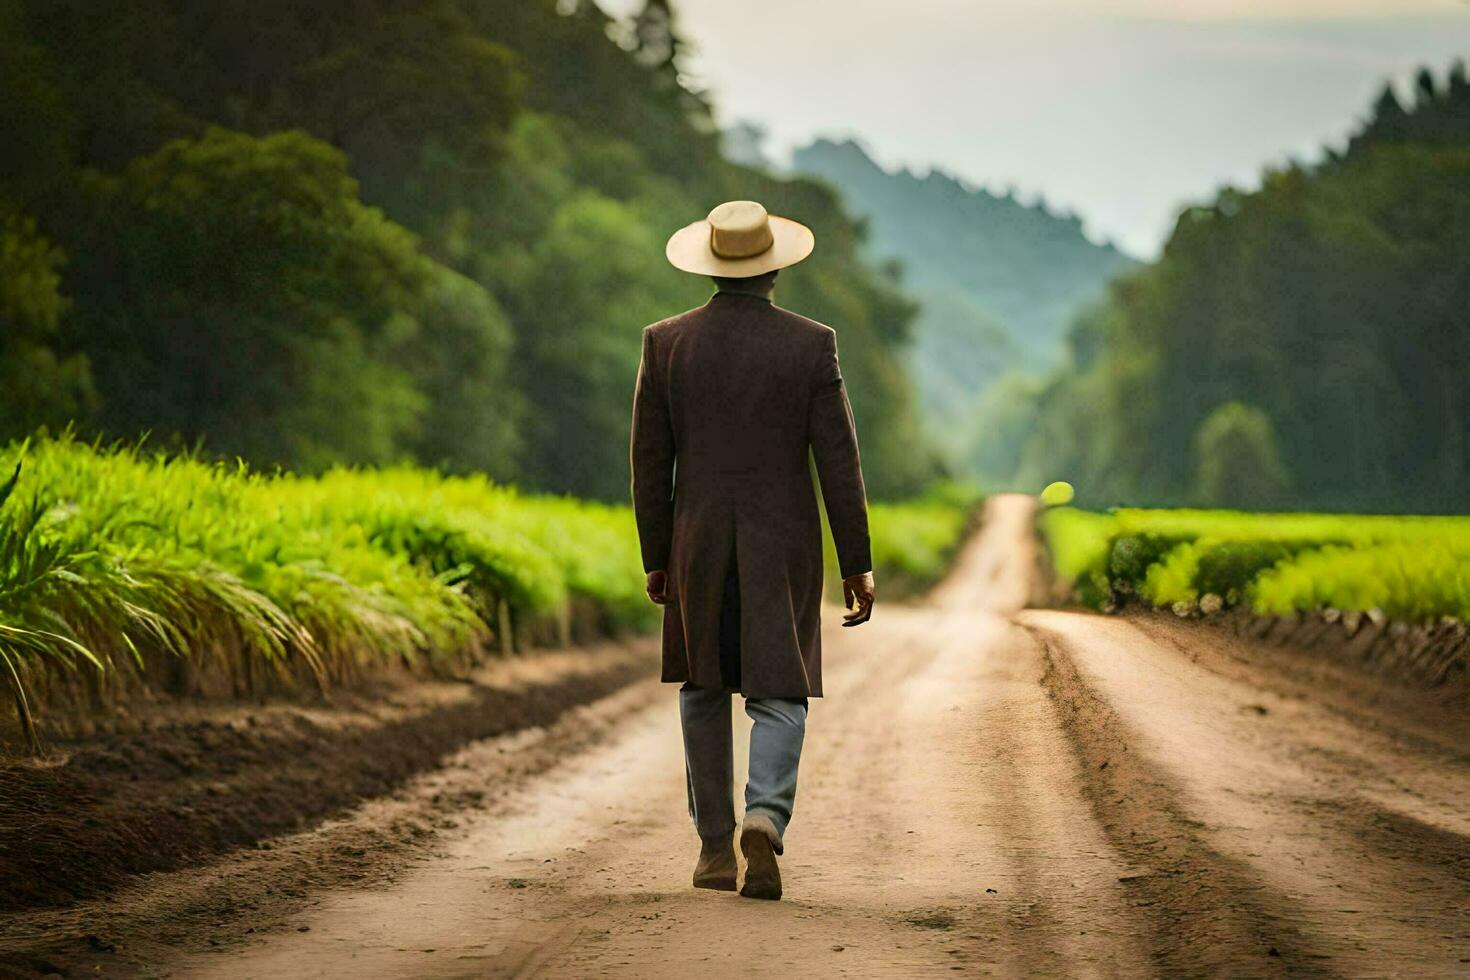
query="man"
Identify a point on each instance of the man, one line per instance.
(731, 400)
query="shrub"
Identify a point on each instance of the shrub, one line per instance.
(1412, 568)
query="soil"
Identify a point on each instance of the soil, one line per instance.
(985, 791)
(197, 780)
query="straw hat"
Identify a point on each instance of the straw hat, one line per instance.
(737, 240)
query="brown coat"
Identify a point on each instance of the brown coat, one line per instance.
(731, 396)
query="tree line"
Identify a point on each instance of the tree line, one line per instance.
(1303, 345)
(999, 282)
(313, 232)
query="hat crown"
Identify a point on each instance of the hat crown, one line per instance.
(739, 239)
(739, 230)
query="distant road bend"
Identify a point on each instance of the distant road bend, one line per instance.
(987, 790)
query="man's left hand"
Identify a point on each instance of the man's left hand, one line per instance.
(658, 588)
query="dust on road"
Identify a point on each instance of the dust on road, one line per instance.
(985, 791)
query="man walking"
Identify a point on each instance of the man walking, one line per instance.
(731, 399)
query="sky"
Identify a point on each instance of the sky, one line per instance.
(1123, 111)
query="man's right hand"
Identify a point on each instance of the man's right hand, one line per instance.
(857, 595)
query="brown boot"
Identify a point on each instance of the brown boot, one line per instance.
(758, 842)
(716, 868)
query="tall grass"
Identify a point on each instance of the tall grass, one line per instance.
(113, 557)
(1416, 569)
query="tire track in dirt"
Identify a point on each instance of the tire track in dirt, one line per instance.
(1072, 917)
(1210, 915)
(1342, 844)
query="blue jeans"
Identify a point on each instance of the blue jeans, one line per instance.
(779, 726)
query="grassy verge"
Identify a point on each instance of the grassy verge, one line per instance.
(121, 562)
(913, 541)
(1411, 569)
(116, 558)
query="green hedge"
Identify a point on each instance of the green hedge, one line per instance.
(1415, 569)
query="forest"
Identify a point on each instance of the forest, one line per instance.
(1300, 346)
(998, 280)
(309, 234)
(315, 234)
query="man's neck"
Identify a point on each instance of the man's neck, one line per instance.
(764, 294)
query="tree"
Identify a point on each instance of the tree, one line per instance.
(580, 348)
(461, 363)
(1368, 345)
(34, 116)
(1388, 122)
(1237, 460)
(658, 46)
(1331, 301)
(41, 383)
(419, 103)
(1425, 90)
(238, 285)
(254, 302)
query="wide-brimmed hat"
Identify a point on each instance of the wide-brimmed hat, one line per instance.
(737, 240)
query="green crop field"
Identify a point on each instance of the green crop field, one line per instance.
(1414, 569)
(118, 557)
(914, 541)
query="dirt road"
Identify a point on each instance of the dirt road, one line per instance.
(986, 791)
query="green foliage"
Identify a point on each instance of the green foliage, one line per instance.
(570, 362)
(34, 115)
(1438, 115)
(1238, 460)
(418, 101)
(913, 542)
(1169, 579)
(1057, 494)
(118, 554)
(253, 301)
(991, 436)
(1411, 568)
(316, 233)
(461, 360)
(1330, 301)
(1418, 582)
(1227, 568)
(998, 280)
(1078, 542)
(42, 384)
(1131, 555)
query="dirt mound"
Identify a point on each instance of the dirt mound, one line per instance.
(183, 788)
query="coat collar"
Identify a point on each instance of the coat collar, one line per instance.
(741, 294)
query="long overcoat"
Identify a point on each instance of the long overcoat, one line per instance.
(733, 400)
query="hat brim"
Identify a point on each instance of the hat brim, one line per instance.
(689, 250)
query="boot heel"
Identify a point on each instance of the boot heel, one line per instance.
(716, 868)
(762, 874)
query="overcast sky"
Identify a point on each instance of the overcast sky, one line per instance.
(1122, 110)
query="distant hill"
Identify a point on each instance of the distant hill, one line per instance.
(1000, 281)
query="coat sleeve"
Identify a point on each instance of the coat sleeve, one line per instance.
(651, 458)
(834, 446)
